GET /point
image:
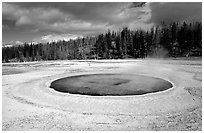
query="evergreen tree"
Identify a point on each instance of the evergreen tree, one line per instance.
(173, 40)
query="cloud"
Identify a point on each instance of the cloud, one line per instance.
(57, 37)
(81, 18)
(87, 11)
(12, 43)
(176, 11)
(34, 30)
(66, 17)
(19, 42)
(32, 16)
(32, 43)
(4, 26)
(24, 20)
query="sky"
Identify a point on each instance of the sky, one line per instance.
(43, 22)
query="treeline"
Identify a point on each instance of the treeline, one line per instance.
(173, 40)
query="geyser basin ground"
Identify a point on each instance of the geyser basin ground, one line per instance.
(28, 102)
(110, 84)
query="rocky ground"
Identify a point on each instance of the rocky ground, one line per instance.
(29, 104)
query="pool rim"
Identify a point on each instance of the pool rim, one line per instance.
(109, 96)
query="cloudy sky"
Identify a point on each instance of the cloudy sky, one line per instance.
(42, 22)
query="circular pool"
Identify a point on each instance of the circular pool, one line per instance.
(110, 84)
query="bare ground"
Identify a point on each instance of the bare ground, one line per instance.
(29, 104)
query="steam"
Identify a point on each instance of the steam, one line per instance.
(158, 52)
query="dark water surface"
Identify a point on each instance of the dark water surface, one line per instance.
(110, 84)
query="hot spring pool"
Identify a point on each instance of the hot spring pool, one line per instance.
(110, 84)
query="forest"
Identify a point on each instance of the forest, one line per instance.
(172, 40)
